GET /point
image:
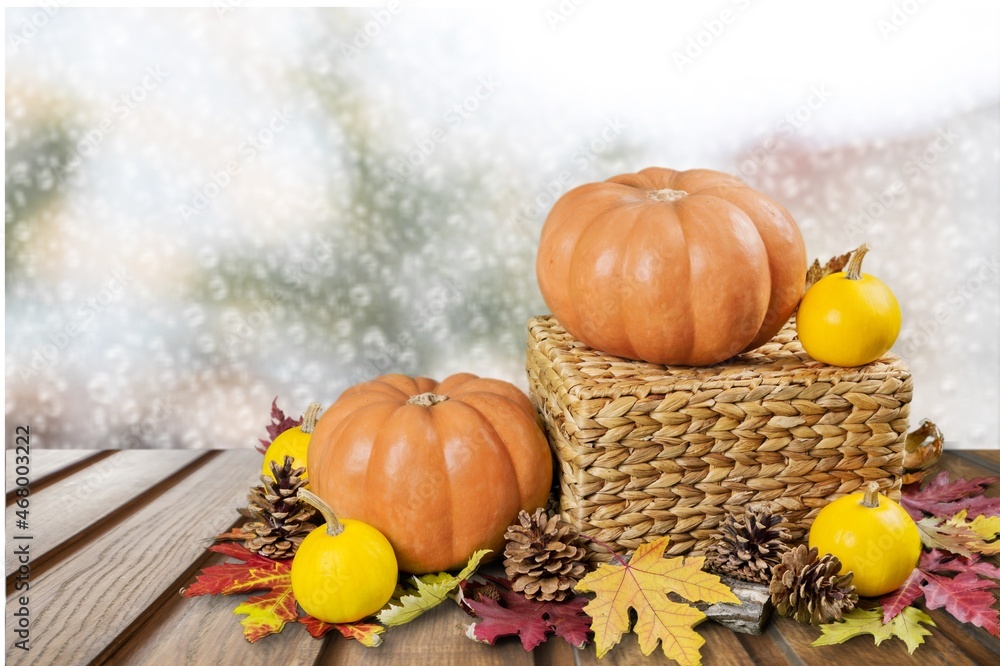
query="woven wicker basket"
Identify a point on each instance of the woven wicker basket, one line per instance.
(647, 450)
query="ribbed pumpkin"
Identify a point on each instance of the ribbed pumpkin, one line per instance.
(441, 469)
(673, 267)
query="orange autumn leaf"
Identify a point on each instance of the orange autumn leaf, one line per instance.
(366, 633)
(267, 613)
(643, 584)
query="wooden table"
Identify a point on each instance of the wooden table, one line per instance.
(116, 535)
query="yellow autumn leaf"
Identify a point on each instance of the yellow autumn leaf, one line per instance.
(979, 532)
(987, 527)
(643, 584)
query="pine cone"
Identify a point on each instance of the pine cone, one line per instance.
(749, 546)
(544, 557)
(281, 519)
(807, 587)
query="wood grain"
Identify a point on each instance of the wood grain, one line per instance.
(199, 629)
(722, 647)
(44, 462)
(94, 600)
(435, 639)
(937, 650)
(82, 500)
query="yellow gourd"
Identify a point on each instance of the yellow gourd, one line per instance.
(293, 442)
(342, 571)
(848, 318)
(872, 536)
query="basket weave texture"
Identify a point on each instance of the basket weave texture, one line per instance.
(646, 450)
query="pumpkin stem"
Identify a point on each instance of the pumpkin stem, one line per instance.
(333, 524)
(426, 399)
(667, 194)
(871, 495)
(853, 269)
(310, 417)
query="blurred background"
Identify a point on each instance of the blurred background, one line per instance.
(208, 208)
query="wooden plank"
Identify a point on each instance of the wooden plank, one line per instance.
(966, 468)
(722, 646)
(44, 462)
(99, 595)
(204, 630)
(769, 648)
(555, 652)
(435, 639)
(987, 464)
(937, 650)
(977, 643)
(60, 513)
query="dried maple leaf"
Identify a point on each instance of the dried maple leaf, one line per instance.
(943, 497)
(906, 625)
(368, 634)
(279, 424)
(834, 265)
(921, 451)
(642, 584)
(266, 613)
(427, 592)
(513, 614)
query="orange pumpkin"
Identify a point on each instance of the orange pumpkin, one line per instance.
(674, 267)
(440, 469)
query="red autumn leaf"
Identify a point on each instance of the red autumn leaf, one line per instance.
(938, 561)
(251, 574)
(279, 424)
(366, 633)
(911, 590)
(967, 597)
(267, 613)
(531, 621)
(943, 497)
